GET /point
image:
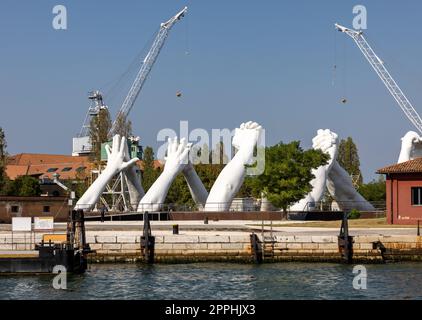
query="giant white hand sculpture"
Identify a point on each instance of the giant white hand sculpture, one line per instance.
(176, 160)
(411, 147)
(115, 164)
(231, 177)
(333, 177)
(326, 141)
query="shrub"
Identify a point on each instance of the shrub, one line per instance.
(354, 214)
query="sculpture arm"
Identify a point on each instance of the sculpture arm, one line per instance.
(157, 193)
(318, 188)
(133, 180)
(341, 188)
(136, 191)
(92, 195)
(232, 176)
(228, 182)
(197, 189)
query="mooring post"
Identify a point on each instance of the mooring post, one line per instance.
(175, 229)
(419, 231)
(147, 241)
(255, 248)
(345, 242)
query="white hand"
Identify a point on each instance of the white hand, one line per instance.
(326, 141)
(177, 155)
(246, 137)
(176, 161)
(115, 164)
(117, 155)
(410, 146)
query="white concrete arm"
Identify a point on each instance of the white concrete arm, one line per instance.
(341, 188)
(232, 176)
(197, 189)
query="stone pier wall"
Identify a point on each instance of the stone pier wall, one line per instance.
(121, 246)
(191, 248)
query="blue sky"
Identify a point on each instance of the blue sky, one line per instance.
(267, 61)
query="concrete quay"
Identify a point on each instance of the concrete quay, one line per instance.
(230, 241)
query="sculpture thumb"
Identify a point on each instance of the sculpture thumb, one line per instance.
(130, 163)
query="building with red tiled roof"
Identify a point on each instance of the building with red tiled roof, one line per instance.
(404, 192)
(412, 166)
(44, 166)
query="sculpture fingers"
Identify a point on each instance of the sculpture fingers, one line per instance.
(126, 152)
(174, 145)
(122, 145)
(184, 156)
(169, 146)
(181, 146)
(248, 124)
(108, 151)
(116, 143)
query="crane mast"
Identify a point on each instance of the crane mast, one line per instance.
(145, 69)
(379, 67)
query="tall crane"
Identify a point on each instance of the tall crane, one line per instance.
(379, 67)
(146, 67)
(81, 143)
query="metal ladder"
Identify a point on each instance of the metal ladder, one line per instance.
(267, 243)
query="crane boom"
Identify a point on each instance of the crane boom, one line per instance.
(379, 67)
(145, 69)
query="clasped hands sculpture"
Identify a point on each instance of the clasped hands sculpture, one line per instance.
(177, 161)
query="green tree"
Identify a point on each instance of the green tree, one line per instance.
(348, 158)
(179, 193)
(374, 190)
(287, 174)
(123, 126)
(150, 173)
(23, 186)
(99, 127)
(207, 170)
(3, 159)
(79, 184)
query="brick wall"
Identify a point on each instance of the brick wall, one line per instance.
(33, 207)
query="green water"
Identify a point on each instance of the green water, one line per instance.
(223, 281)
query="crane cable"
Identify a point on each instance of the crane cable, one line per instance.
(117, 84)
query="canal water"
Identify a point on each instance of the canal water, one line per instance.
(223, 281)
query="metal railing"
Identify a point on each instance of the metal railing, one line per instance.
(253, 206)
(378, 206)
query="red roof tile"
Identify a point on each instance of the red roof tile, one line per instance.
(39, 165)
(412, 166)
